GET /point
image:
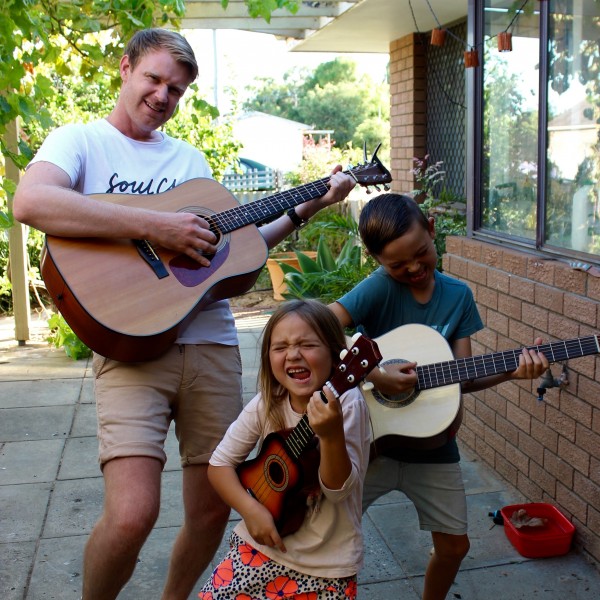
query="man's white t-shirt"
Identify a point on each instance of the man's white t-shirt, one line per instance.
(99, 159)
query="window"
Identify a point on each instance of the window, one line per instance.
(540, 166)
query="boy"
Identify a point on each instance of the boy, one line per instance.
(407, 288)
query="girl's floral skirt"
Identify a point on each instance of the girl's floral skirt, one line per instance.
(247, 574)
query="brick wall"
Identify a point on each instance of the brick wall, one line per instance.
(408, 85)
(549, 450)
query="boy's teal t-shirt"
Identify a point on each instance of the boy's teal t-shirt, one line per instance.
(379, 304)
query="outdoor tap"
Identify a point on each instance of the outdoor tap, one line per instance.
(549, 381)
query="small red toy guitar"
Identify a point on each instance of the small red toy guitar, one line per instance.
(277, 476)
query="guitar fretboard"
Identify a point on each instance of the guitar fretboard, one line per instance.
(265, 208)
(474, 367)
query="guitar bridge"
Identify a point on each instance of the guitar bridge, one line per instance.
(147, 252)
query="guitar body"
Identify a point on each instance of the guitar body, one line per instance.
(116, 303)
(424, 418)
(281, 482)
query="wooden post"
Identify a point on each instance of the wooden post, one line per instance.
(17, 251)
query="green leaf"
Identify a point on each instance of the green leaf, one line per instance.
(325, 258)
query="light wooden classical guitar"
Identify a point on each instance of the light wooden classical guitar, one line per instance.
(127, 299)
(431, 413)
(285, 470)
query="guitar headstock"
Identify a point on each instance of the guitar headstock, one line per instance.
(355, 364)
(371, 172)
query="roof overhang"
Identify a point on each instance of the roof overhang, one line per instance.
(331, 25)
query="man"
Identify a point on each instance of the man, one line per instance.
(198, 381)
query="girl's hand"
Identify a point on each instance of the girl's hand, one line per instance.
(325, 419)
(532, 364)
(261, 526)
(395, 378)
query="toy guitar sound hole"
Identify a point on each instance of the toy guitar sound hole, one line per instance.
(276, 473)
(396, 400)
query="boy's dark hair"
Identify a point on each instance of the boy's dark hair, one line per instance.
(385, 218)
(149, 40)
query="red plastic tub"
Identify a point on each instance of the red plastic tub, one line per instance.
(552, 539)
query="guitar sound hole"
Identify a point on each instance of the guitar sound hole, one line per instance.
(276, 472)
(398, 400)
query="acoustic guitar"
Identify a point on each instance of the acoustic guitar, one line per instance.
(430, 414)
(128, 299)
(283, 474)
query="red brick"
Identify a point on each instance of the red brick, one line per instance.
(476, 273)
(576, 457)
(535, 316)
(593, 288)
(559, 468)
(568, 279)
(472, 249)
(587, 440)
(589, 390)
(497, 322)
(487, 297)
(498, 280)
(529, 488)
(541, 270)
(571, 502)
(509, 306)
(454, 244)
(495, 401)
(485, 451)
(507, 430)
(581, 309)
(496, 441)
(491, 255)
(534, 450)
(508, 471)
(562, 328)
(518, 417)
(577, 409)
(522, 288)
(518, 458)
(548, 297)
(587, 490)
(520, 332)
(544, 435)
(561, 423)
(514, 262)
(542, 478)
(487, 415)
(595, 471)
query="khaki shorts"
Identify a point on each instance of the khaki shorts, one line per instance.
(199, 387)
(436, 490)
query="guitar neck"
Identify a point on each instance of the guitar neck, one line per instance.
(475, 367)
(266, 208)
(299, 438)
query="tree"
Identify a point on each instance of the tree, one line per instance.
(331, 97)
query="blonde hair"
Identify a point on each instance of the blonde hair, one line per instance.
(150, 40)
(328, 329)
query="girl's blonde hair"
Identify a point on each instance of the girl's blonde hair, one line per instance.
(329, 331)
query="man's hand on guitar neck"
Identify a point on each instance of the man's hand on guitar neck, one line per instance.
(340, 185)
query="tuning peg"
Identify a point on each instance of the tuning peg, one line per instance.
(369, 190)
(374, 157)
(366, 158)
(367, 386)
(343, 353)
(386, 187)
(355, 337)
(377, 188)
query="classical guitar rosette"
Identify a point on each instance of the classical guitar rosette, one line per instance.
(397, 400)
(276, 473)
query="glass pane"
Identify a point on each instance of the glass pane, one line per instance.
(510, 120)
(572, 211)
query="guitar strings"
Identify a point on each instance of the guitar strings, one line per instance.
(455, 371)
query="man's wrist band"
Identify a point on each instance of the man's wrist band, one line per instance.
(296, 219)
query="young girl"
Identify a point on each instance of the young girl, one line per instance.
(300, 348)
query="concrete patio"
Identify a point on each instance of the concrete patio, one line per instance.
(51, 494)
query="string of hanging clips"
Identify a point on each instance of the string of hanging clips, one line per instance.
(471, 54)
